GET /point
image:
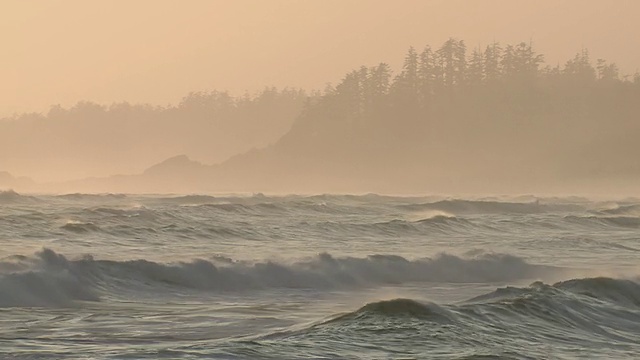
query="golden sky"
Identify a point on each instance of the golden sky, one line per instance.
(156, 51)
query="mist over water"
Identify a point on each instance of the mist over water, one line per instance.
(319, 179)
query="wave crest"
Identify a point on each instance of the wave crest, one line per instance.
(46, 280)
(10, 196)
(320, 272)
(401, 308)
(605, 221)
(620, 291)
(468, 207)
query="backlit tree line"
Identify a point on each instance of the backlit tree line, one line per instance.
(501, 105)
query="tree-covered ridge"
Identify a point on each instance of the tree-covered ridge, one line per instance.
(208, 126)
(487, 120)
(451, 69)
(476, 113)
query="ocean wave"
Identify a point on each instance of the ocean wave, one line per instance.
(469, 207)
(620, 291)
(397, 227)
(436, 219)
(81, 196)
(587, 311)
(278, 206)
(398, 308)
(141, 213)
(605, 221)
(80, 227)
(321, 272)
(604, 290)
(189, 199)
(326, 271)
(627, 210)
(45, 280)
(11, 197)
(443, 220)
(227, 207)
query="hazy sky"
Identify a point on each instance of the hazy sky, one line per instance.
(156, 51)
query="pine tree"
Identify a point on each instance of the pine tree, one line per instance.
(579, 69)
(492, 56)
(607, 72)
(475, 72)
(427, 76)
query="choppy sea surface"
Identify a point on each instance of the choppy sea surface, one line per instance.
(318, 277)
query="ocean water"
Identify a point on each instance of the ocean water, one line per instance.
(318, 277)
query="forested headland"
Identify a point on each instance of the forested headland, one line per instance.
(90, 139)
(462, 119)
(450, 119)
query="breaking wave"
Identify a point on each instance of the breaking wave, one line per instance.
(10, 196)
(625, 210)
(80, 228)
(81, 279)
(45, 280)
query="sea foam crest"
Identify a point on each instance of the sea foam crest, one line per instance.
(10, 196)
(81, 279)
(46, 280)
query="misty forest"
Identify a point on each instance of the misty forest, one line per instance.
(499, 114)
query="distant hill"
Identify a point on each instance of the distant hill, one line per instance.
(89, 139)
(177, 174)
(8, 181)
(177, 166)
